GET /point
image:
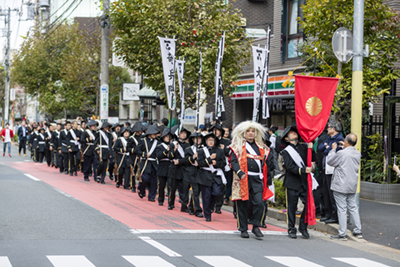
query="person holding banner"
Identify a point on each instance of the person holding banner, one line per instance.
(148, 166)
(295, 181)
(248, 160)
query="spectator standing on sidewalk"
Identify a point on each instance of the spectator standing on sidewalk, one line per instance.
(7, 134)
(22, 136)
(344, 184)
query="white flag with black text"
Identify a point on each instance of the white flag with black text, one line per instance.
(168, 59)
(219, 92)
(180, 67)
(259, 70)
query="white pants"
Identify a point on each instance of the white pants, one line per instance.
(344, 203)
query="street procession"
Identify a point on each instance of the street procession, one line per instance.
(200, 133)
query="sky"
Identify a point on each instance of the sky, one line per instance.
(18, 28)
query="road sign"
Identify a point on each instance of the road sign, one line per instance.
(104, 102)
(342, 44)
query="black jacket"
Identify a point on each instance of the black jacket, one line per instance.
(87, 144)
(75, 145)
(295, 177)
(54, 141)
(146, 165)
(163, 161)
(132, 146)
(41, 142)
(122, 156)
(191, 170)
(177, 172)
(206, 177)
(63, 142)
(21, 133)
(102, 146)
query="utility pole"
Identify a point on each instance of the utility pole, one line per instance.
(7, 66)
(105, 48)
(357, 77)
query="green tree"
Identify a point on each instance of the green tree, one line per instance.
(195, 24)
(381, 32)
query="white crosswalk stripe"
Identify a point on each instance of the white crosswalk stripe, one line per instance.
(145, 261)
(5, 262)
(360, 262)
(70, 261)
(293, 261)
(222, 261)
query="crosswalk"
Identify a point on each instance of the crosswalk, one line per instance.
(216, 261)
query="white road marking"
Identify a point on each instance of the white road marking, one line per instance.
(145, 261)
(293, 261)
(32, 177)
(222, 261)
(63, 193)
(70, 261)
(360, 262)
(4, 262)
(160, 246)
(164, 231)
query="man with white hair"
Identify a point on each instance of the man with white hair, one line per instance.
(250, 181)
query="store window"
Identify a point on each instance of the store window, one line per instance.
(292, 35)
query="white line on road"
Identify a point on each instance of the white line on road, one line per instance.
(360, 262)
(32, 177)
(160, 246)
(165, 231)
(4, 262)
(293, 261)
(63, 193)
(70, 261)
(222, 261)
(145, 261)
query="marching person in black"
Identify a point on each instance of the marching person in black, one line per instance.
(226, 142)
(74, 150)
(192, 171)
(103, 148)
(47, 152)
(54, 146)
(121, 146)
(89, 155)
(295, 181)
(33, 143)
(177, 169)
(163, 164)
(211, 161)
(134, 139)
(41, 144)
(148, 166)
(115, 133)
(65, 145)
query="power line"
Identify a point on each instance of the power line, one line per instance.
(55, 12)
(62, 14)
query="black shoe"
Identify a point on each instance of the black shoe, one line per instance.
(76, 174)
(160, 203)
(264, 225)
(199, 215)
(191, 212)
(66, 172)
(140, 195)
(111, 177)
(244, 234)
(235, 215)
(170, 207)
(152, 200)
(126, 187)
(323, 219)
(86, 179)
(71, 174)
(292, 234)
(184, 209)
(208, 219)
(117, 185)
(134, 190)
(102, 182)
(218, 211)
(357, 235)
(257, 232)
(304, 233)
(331, 221)
(339, 237)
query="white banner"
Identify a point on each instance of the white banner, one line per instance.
(180, 67)
(219, 96)
(104, 102)
(265, 108)
(168, 59)
(258, 65)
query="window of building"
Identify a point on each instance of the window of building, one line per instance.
(292, 35)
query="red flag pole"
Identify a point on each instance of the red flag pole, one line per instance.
(310, 216)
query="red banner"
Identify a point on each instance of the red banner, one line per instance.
(313, 104)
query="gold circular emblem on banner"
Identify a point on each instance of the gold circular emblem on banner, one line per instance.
(314, 106)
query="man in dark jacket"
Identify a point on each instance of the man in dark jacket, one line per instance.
(163, 164)
(122, 148)
(295, 181)
(148, 166)
(103, 145)
(334, 129)
(64, 143)
(74, 149)
(136, 133)
(22, 136)
(89, 155)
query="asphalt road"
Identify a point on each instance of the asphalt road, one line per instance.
(42, 225)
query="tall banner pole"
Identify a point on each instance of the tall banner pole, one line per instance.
(198, 93)
(265, 109)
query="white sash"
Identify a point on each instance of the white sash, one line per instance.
(164, 145)
(48, 132)
(66, 132)
(211, 167)
(300, 163)
(254, 153)
(180, 149)
(134, 139)
(41, 135)
(90, 133)
(123, 141)
(105, 137)
(194, 149)
(58, 134)
(75, 141)
(153, 147)
(114, 134)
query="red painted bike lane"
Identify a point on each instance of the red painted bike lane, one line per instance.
(125, 206)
